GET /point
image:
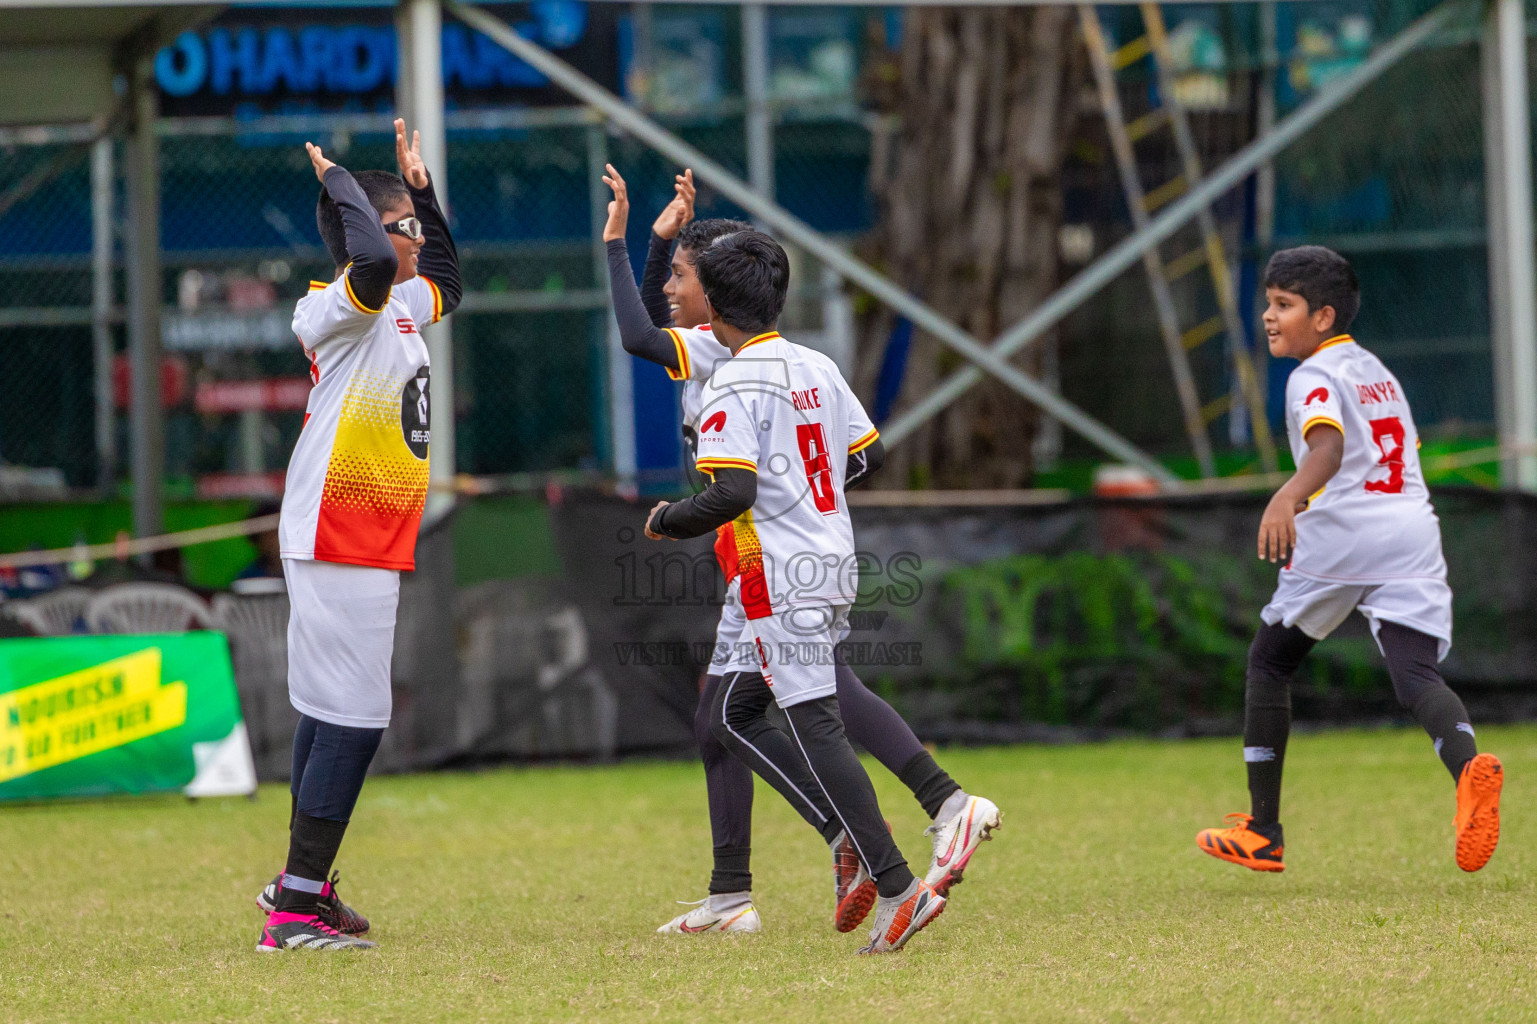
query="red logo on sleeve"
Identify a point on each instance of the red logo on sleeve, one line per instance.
(1320, 394)
(716, 422)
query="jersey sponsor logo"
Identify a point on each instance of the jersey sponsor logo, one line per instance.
(1317, 395)
(716, 422)
(1382, 391)
(416, 413)
(406, 326)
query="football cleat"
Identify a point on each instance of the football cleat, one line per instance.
(332, 911)
(900, 918)
(284, 932)
(957, 838)
(703, 918)
(1254, 848)
(1478, 811)
(853, 888)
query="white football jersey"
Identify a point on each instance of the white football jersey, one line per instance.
(786, 413)
(357, 481)
(698, 354)
(1373, 522)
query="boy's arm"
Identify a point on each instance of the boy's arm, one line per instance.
(438, 260)
(1278, 528)
(863, 464)
(658, 266)
(371, 258)
(659, 254)
(637, 333)
(731, 493)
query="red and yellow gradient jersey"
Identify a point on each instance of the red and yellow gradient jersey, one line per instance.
(357, 481)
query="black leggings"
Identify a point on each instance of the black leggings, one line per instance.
(813, 767)
(330, 762)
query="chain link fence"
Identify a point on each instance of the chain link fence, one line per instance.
(1395, 180)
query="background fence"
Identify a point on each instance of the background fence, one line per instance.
(1394, 180)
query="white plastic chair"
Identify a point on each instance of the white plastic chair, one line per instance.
(146, 608)
(53, 614)
(257, 628)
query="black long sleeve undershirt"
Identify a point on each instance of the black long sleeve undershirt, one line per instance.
(731, 493)
(639, 336)
(371, 255)
(439, 258)
(653, 277)
(863, 464)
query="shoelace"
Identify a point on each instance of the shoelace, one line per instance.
(692, 903)
(1238, 819)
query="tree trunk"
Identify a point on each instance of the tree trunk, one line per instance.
(986, 102)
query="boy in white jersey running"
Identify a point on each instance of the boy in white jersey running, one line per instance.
(776, 423)
(352, 505)
(961, 822)
(1357, 524)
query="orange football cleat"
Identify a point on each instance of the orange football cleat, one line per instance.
(1242, 844)
(1478, 811)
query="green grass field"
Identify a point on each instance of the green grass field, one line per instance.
(531, 894)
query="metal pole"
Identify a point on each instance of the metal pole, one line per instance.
(792, 229)
(1512, 265)
(420, 25)
(1130, 249)
(621, 383)
(101, 312)
(146, 417)
(755, 84)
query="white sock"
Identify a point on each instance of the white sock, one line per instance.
(954, 804)
(720, 902)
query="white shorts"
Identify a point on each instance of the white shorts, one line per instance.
(735, 650)
(796, 650)
(1318, 608)
(341, 633)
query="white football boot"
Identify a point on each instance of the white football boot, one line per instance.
(956, 835)
(738, 915)
(900, 918)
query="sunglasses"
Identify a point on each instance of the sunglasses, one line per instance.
(410, 227)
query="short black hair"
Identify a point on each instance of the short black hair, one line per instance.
(697, 235)
(746, 276)
(1321, 276)
(383, 190)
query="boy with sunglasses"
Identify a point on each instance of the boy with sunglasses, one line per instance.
(356, 487)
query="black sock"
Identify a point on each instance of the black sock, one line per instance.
(731, 873)
(930, 783)
(1412, 659)
(1273, 659)
(312, 846)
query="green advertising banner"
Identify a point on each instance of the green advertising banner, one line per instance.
(92, 715)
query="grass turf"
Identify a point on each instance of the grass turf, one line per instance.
(531, 894)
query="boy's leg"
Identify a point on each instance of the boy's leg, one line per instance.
(1255, 840)
(798, 647)
(341, 633)
(1274, 657)
(737, 719)
(1412, 659)
(333, 779)
(729, 788)
(961, 821)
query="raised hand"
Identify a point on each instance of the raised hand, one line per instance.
(318, 159)
(678, 212)
(618, 207)
(412, 167)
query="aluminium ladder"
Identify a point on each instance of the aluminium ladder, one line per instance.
(1179, 342)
